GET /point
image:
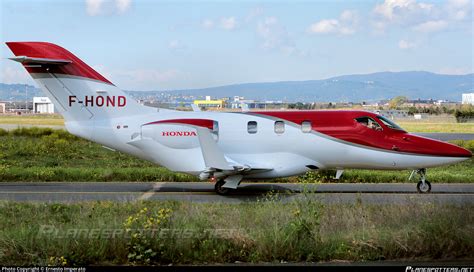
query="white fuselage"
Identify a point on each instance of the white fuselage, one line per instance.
(288, 153)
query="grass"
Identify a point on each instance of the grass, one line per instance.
(40, 119)
(164, 232)
(437, 127)
(264, 231)
(39, 154)
(42, 154)
(457, 173)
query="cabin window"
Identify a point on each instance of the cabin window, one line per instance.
(252, 127)
(279, 127)
(306, 126)
(215, 127)
(215, 130)
(369, 122)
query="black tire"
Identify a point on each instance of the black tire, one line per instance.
(423, 189)
(219, 189)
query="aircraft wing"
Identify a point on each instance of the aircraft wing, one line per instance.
(216, 163)
(213, 156)
(195, 107)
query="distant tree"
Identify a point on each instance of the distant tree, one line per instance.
(412, 110)
(396, 102)
(464, 114)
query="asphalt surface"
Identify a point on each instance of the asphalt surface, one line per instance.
(385, 193)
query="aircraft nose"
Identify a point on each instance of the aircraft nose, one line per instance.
(457, 151)
(429, 146)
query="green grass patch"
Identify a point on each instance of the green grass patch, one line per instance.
(264, 231)
(457, 173)
(42, 154)
(414, 126)
(39, 119)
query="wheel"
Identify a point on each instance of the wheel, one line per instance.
(219, 189)
(423, 188)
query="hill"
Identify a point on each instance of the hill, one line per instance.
(355, 88)
(347, 88)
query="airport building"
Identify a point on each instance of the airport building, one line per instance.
(42, 105)
(209, 103)
(468, 98)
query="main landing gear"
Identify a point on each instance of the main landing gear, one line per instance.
(423, 185)
(226, 185)
(219, 189)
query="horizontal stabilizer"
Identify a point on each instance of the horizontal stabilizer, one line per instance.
(30, 60)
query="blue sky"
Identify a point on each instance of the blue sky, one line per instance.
(160, 45)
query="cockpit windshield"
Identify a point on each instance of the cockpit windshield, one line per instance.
(369, 122)
(389, 123)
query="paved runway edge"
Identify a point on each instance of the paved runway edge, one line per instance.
(333, 193)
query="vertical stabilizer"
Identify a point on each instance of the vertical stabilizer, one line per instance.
(78, 91)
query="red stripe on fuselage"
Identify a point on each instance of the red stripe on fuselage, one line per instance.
(206, 123)
(52, 51)
(342, 125)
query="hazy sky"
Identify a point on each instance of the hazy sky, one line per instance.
(155, 45)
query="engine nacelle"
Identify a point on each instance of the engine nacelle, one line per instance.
(173, 136)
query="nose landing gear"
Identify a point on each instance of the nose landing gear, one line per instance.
(423, 185)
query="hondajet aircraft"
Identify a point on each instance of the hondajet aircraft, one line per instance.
(226, 147)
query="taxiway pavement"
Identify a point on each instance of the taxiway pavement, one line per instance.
(330, 193)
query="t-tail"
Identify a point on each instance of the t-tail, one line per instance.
(79, 93)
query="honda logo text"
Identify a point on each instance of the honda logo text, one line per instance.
(178, 133)
(99, 101)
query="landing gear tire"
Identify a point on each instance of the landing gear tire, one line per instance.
(221, 190)
(423, 188)
(423, 185)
